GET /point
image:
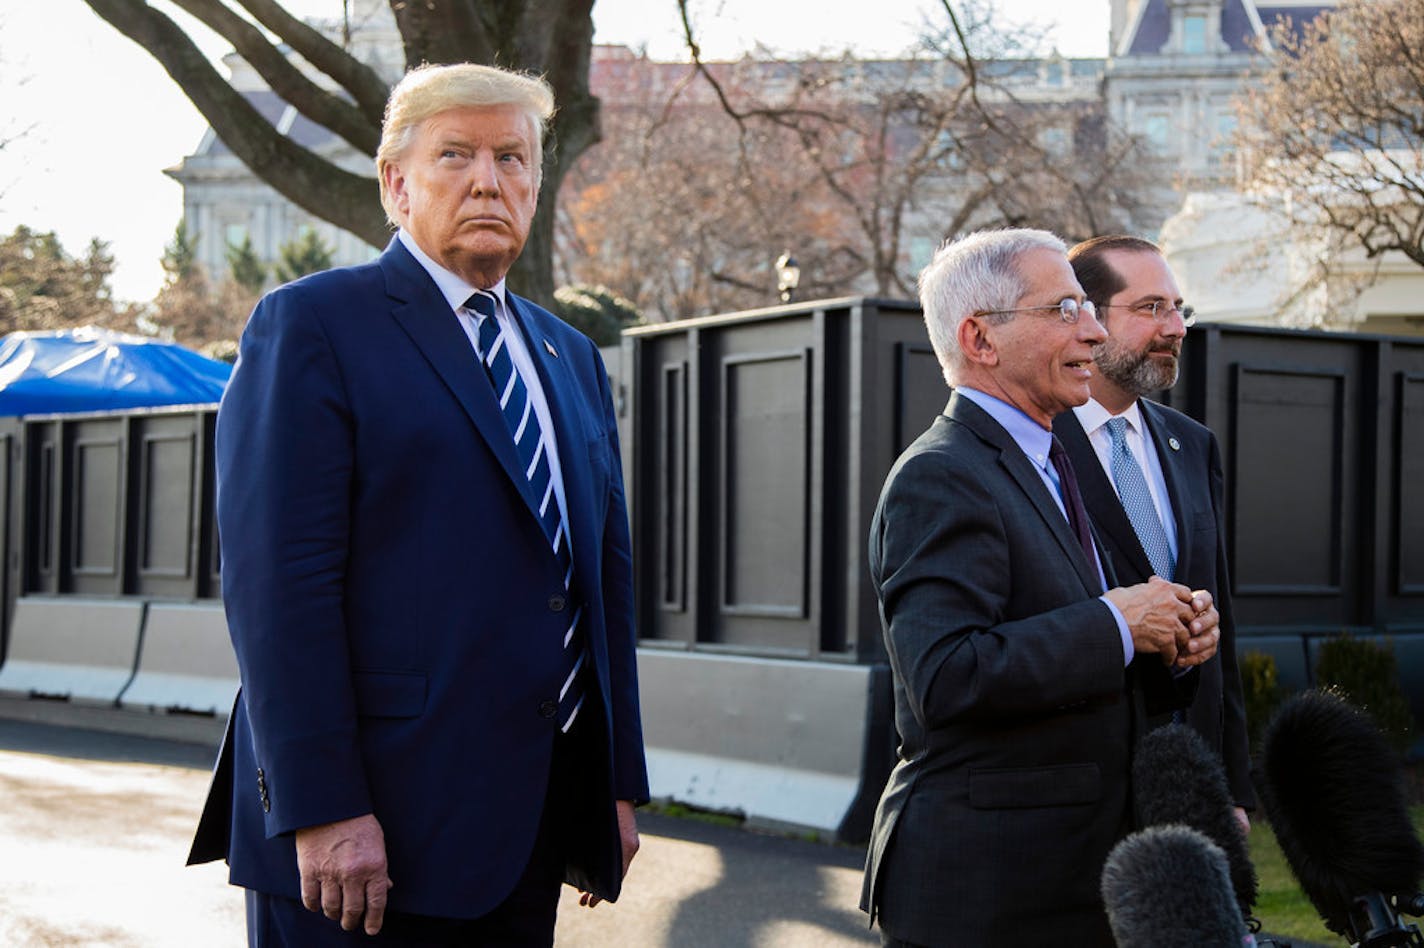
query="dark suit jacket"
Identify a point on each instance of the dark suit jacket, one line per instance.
(1192, 470)
(397, 613)
(1015, 729)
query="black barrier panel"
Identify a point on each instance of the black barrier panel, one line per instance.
(170, 520)
(755, 446)
(920, 391)
(1290, 437)
(118, 504)
(1323, 440)
(11, 504)
(762, 440)
(40, 510)
(1407, 485)
(94, 503)
(210, 584)
(765, 433)
(759, 444)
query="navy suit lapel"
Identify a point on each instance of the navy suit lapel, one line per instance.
(426, 317)
(1022, 471)
(1099, 496)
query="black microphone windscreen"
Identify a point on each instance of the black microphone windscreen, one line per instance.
(1332, 789)
(1177, 778)
(1169, 887)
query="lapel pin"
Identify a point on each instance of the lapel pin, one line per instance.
(1174, 444)
(550, 347)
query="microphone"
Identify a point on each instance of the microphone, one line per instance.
(1332, 789)
(1169, 887)
(1177, 778)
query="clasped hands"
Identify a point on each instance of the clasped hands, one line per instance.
(1170, 620)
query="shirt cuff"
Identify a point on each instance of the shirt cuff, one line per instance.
(1122, 630)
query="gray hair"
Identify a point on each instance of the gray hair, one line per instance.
(426, 91)
(974, 274)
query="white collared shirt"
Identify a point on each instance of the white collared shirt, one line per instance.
(1094, 418)
(456, 291)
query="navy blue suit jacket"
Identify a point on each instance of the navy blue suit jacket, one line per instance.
(397, 613)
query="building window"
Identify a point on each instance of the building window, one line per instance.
(1194, 34)
(1154, 129)
(1223, 145)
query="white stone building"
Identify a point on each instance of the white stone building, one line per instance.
(1173, 70)
(223, 202)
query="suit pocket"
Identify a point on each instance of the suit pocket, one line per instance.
(389, 694)
(1014, 788)
(598, 451)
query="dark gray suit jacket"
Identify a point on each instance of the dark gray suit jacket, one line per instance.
(1010, 701)
(1191, 466)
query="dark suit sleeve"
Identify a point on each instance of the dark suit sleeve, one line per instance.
(1235, 749)
(985, 616)
(630, 769)
(284, 449)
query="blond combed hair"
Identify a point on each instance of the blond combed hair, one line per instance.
(428, 90)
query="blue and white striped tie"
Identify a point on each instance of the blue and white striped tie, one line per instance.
(532, 445)
(1137, 502)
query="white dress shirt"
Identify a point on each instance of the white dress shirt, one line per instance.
(456, 291)
(1094, 418)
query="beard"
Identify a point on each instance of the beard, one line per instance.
(1137, 372)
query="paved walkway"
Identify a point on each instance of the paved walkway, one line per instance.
(95, 827)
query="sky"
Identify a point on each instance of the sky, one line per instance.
(89, 120)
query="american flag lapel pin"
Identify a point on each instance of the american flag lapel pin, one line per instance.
(549, 347)
(1176, 445)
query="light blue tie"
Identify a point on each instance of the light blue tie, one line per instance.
(529, 441)
(1137, 501)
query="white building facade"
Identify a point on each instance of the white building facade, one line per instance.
(1171, 77)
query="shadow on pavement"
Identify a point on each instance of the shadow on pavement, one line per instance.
(35, 737)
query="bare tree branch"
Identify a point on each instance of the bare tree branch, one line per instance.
(367, 88)
(1335, 132)
(285, 79)
(310, 182)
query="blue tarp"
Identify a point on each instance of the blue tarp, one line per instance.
(92, 369)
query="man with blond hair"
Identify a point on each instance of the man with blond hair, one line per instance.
(426, 569)
(1009, 638)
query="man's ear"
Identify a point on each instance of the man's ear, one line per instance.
(976, 343)
(395, 186)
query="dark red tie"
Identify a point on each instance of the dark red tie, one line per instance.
(1072, 500)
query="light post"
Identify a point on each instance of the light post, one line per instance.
(788, 276)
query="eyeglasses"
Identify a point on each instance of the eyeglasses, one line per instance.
(1068, 310)
(1159, 310)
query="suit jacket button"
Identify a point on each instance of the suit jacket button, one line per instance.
(557, 603)
(547, 709)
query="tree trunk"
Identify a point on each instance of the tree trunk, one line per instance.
(552, 38)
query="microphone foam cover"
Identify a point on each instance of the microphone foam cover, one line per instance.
(1332, 789)
(1177, 778)
(1169, 887)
